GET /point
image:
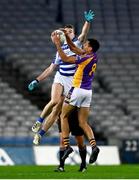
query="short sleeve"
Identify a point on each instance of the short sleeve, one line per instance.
(80, 59)
(78, 44)
(56, 59)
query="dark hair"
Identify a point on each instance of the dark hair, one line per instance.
(69, 26)
(94, 44)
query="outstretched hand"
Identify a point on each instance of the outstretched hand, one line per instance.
(89, 16)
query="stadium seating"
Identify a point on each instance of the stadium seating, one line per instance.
(26, 50)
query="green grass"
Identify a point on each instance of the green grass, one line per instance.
(47, 172)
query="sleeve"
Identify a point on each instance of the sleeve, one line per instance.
(78, 44)
(57, 59)
(80, 59)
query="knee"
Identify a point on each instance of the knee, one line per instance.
(56, 111)
(63, 115)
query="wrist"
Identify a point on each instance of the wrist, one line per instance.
(88, 21)
(58, 45)
(37, 80)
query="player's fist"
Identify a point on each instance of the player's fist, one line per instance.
(89, 16)
(33, 85)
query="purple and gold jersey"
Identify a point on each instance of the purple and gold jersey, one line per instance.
(84, 74)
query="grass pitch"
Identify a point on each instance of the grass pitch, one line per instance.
(47, 172)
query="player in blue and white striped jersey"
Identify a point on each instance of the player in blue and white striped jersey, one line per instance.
(65, 72)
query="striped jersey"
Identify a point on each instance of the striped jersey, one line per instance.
(84, 74)
(65, 68)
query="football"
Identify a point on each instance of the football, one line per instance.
(62, 36)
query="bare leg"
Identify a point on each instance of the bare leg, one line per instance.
(80, 141)
(83, 114)
(57, 90)
(53, 116)
(66, 110)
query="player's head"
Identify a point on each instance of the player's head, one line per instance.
(91, 45)
(70, 30)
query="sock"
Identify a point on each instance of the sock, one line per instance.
(40, 119)
(66, 141)
(92, 142)
(61, 153)
(41, 132)
(83, 152)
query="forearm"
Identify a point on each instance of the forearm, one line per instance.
(46, 73)
(84, 33)
(70, 43)
(72, 46)
(86, 28)
(64, 57)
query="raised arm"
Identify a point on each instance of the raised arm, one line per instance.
(47, 72)
(89, 16)
(82, 37)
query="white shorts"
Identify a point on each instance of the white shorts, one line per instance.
(79, 97)
(65, 81)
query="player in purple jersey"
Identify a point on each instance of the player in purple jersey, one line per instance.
(80, 94)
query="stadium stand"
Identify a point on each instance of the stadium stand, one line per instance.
(26, 50)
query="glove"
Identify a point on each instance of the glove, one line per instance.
(33, 85)
(89, 16)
